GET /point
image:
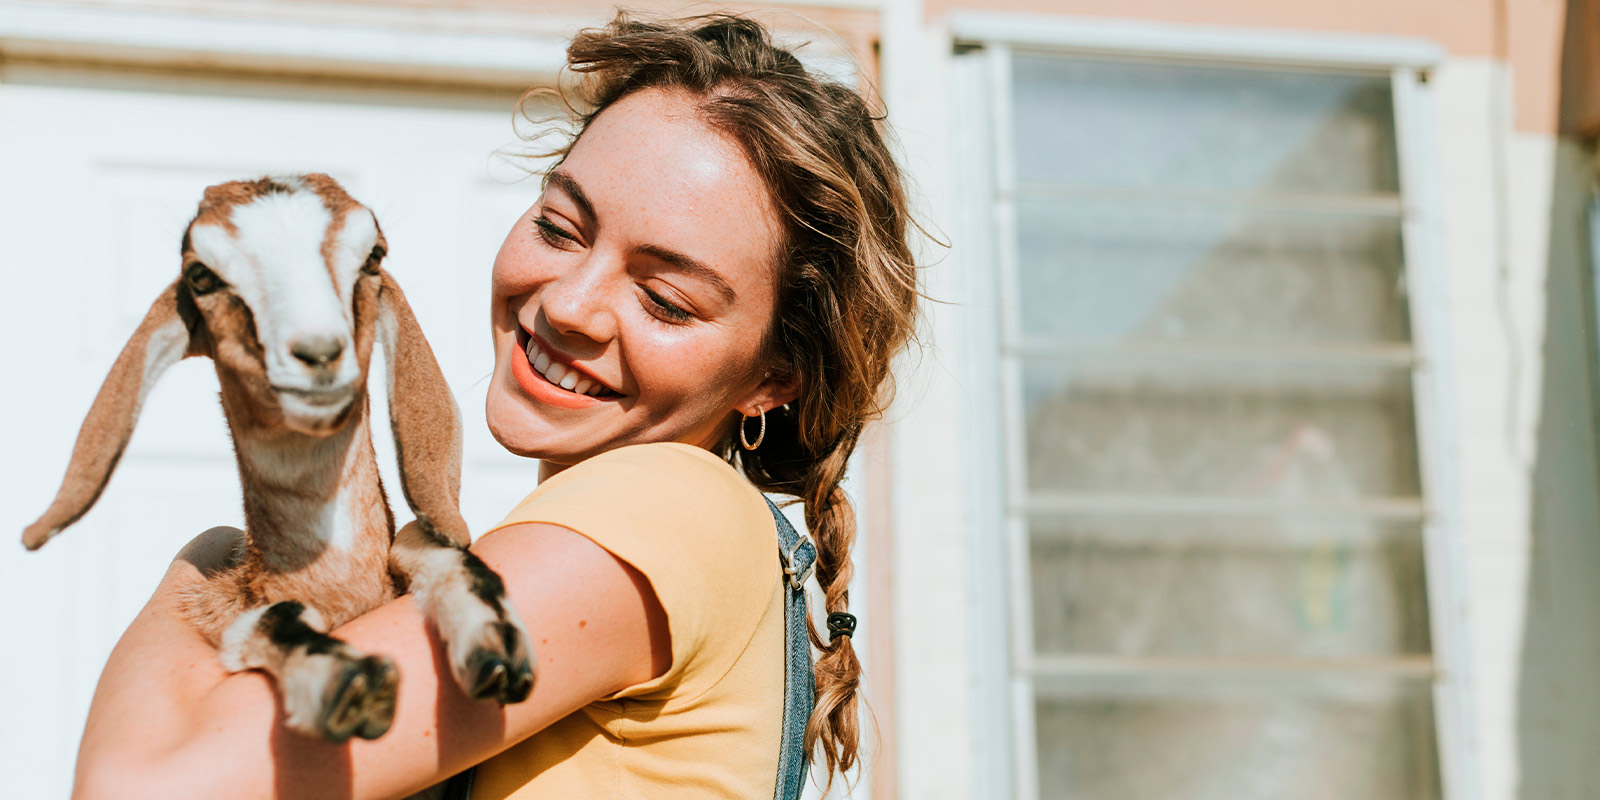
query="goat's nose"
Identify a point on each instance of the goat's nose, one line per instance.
(317, 351)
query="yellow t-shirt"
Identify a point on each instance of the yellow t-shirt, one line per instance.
(710, 726)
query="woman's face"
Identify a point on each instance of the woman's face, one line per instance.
(631, 301)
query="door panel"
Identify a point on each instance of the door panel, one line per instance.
(100, 170)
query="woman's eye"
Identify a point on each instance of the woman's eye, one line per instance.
(553, 234)
(665, 308)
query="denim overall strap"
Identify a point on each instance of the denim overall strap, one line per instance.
(798, 556)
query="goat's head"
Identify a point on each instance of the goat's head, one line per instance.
(280, 284)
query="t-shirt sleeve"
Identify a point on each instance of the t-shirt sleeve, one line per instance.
(694, 527)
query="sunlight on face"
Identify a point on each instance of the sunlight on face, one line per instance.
(642, 284)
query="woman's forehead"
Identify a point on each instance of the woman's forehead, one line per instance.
(651, 163)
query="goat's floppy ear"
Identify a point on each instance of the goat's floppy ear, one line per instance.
(423, 414)
(159, 342)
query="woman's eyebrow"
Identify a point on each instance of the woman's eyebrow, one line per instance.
(689, 264)
(570, 187)
(692, 266)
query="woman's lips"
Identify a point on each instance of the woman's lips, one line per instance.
(564, 374)
(552, 381)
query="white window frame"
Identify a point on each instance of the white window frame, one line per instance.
(1005, 761)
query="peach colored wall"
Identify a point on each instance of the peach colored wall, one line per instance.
(1532, 46)
(857, 29)
(1465, 27)
(849, 21)
(1525, 34)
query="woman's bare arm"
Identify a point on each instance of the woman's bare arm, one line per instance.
(167, 721)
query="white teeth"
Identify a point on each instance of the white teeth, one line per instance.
(560, 374)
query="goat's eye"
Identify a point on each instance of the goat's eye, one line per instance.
(200, 278)
(373, 260)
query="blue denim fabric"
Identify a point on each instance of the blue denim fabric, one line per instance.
(798, 556)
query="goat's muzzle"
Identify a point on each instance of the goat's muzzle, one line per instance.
(317, 410)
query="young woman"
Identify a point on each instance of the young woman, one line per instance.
(702, 305)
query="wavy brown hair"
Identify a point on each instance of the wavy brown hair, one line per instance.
(847, 293)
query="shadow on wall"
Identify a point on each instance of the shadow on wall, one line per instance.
(1558, 725)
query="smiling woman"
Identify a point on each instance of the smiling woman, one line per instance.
(651, 276)
(725, 240)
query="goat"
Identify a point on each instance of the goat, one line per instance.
(282, 286)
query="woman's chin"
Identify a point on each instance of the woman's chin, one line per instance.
(509, 424)
(523, 431)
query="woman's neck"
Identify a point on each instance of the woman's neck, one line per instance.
(549, 469)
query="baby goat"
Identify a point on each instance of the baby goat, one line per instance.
(282, 287)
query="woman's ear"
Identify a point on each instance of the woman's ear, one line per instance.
(776, 389)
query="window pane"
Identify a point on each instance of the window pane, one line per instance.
(1362, 739)
(1192, 274)
(1288, 434)
(1313, 587)
(1219, 460)
(1151, 125)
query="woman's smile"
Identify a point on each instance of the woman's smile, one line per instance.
(554, 379)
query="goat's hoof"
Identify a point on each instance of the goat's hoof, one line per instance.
(341, 709)
(378, 711)
(501, 667)
(361, 701)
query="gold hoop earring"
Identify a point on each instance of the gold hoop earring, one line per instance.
(760, 435)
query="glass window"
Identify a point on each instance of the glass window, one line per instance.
(1215, 488)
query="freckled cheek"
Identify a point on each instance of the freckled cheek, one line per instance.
(520, 265)
(687, 373)
(658, 362)
(510, 275)
(513, 285)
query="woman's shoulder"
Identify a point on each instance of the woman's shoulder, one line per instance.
(661, 477)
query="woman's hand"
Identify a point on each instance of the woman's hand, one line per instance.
(167, 721)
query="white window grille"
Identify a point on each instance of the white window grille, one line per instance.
(1226, 524)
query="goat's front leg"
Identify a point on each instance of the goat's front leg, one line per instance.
(327, 688)
(486, 641)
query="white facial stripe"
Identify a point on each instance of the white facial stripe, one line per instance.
(274, 263)
(351, 246)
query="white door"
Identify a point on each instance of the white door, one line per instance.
(100, 170)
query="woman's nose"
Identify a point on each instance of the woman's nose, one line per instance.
(580, 301)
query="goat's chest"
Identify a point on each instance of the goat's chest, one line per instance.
(341, 583)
